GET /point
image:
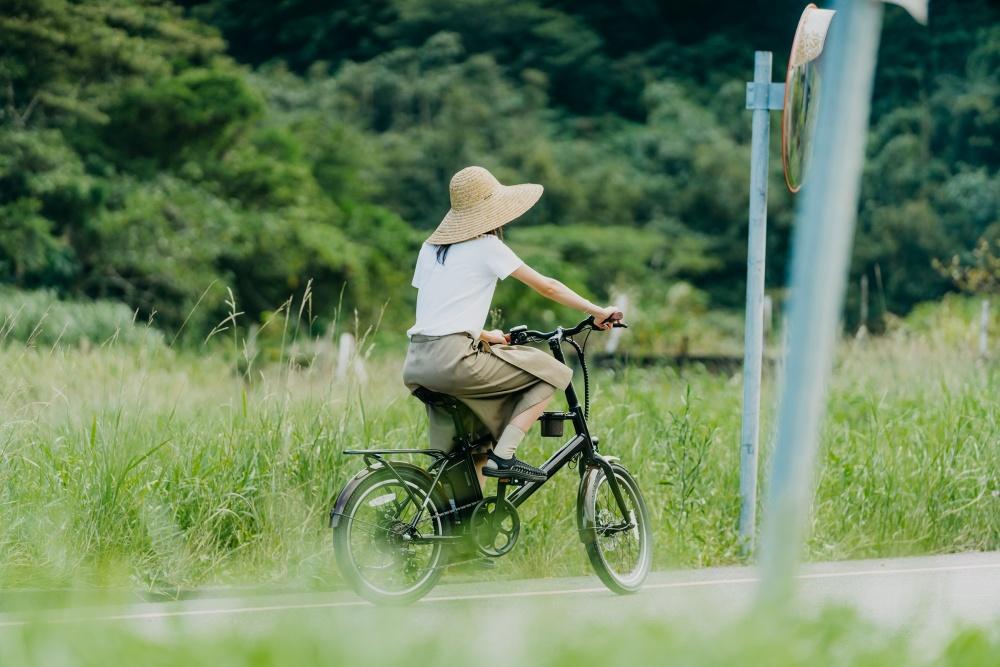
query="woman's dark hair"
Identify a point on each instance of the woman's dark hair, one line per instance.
(442, 250)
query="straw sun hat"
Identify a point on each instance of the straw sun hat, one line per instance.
(480, 203)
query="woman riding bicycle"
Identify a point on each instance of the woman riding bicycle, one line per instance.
(507, 387)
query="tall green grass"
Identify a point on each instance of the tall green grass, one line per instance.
(162, 469)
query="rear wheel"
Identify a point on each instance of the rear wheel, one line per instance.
(620, 546)
(377, 545)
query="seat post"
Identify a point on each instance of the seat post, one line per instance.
(464, 421)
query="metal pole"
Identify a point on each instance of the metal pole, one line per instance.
(753, 343)
(823, 232)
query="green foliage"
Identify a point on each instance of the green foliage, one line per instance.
(982, 271)
(931, 186)
(62, 60)
(41, 319)
(954, 320)
(45, 193)
(178, 180)
(138, 161)
(157, 244)
(206, 108)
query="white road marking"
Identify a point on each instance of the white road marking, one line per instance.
(138, 616)
(713, 582)
(910, 570)
(152, 615)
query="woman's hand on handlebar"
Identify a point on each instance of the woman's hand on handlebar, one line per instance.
(605, 317)
(494, 337)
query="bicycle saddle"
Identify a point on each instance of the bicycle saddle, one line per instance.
(436, 400)
(466, 428)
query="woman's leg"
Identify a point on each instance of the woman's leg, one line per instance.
(526, 419)
(522, 422)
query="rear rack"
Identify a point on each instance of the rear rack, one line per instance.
(366, 452)
(377, 455)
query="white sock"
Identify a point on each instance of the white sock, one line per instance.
(509, 440)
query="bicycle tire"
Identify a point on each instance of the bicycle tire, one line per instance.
(385, 481)
(595, 507)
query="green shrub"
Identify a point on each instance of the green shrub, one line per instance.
(954, 320)
(40, 318)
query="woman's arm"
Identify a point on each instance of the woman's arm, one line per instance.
(555, 290)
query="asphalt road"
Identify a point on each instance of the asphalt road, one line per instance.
(927, 594)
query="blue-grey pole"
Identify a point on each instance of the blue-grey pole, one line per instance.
(824, 228)
(753, 341)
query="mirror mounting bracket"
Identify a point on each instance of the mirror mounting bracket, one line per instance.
(770, 96)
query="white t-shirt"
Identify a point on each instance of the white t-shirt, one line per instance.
(455, 297)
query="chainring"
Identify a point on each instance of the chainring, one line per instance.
(495, 526)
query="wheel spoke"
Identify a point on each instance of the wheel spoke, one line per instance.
(620, 546)
(379, 538)
(375, 526)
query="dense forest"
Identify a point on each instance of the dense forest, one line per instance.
(159, 153)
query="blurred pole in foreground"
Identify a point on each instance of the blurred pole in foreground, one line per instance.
(759, 100)
(824, 229)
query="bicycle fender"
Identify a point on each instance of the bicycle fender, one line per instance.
(338, 506)
(345, 494)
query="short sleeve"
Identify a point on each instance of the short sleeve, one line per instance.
(421, 269)
(501, 260)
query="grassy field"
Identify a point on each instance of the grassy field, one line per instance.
(139, 466)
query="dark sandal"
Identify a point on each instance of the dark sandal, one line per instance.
(513, 468)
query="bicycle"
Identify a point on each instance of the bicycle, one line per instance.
(394, 522)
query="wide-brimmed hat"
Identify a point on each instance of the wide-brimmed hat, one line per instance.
(480, 203)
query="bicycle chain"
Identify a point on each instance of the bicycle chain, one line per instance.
(457, 509)
(434, 516)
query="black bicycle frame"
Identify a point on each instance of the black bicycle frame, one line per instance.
(581, 444)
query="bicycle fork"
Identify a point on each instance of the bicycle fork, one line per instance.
(616, 491)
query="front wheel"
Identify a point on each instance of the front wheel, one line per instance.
(620, 546)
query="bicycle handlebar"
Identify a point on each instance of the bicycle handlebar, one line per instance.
(521, 334)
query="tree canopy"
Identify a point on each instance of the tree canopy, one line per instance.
(150, 151)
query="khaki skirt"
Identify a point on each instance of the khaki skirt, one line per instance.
(496, 382)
